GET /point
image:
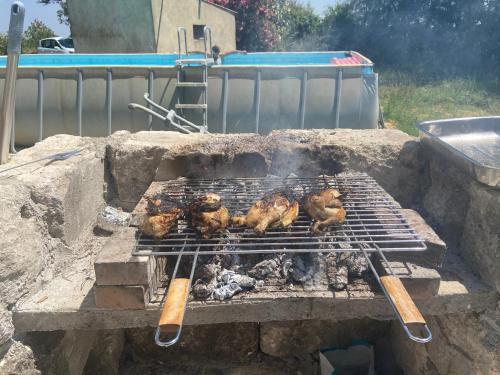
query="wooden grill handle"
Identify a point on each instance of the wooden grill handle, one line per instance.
(402, 300)
(175, 305)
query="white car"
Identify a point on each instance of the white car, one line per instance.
(56, 45)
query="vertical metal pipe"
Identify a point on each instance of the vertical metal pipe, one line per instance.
(79, 88)
(257, 100)
(9, 94)
(13, 135)
(225, 88)
(151, 78)
(303, 98)
(338, 97)
(39, 105)
(205, 100)
(109, 99)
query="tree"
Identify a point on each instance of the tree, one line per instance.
(3, 43)
(62, 13)
(429, 38)
(36, 31)
(255, 24)
(298, 26)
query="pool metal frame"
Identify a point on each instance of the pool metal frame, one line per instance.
(225, 89)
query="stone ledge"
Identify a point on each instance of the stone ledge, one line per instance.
(66, 304)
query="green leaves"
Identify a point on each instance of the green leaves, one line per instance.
(36, 31)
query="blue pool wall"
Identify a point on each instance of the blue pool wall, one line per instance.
(300, 94)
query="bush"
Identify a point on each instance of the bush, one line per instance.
(36, 31)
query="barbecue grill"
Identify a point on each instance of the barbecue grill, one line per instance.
(374, 224)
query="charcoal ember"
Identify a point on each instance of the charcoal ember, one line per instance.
(286, 265)
(357, 265)
(345, 267)
(298, 269)
(354, 261)
(231, 261)
(208, 272)
(265, 269)
(202, 289)
(337, 273)
(339, 279)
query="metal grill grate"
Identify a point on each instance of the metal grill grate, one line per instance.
(373, 221)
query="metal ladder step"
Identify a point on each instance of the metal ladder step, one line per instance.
(191, 84)
(190, 106)
(193, 61)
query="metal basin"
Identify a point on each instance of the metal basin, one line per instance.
(472, 143)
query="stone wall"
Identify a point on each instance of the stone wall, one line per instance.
(48, 210)
(462, 344)
(390, 156)
(466, 214)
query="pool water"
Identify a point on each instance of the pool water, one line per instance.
(165, 60)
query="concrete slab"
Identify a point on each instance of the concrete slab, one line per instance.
(115, 265)
(67, 303)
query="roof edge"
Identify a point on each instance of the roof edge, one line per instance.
(220, 7)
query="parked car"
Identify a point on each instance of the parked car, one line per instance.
(56, 45)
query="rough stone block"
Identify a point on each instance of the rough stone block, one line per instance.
(120, 297)
(462, 344)
(420, 282)
(467, 215)
(287, 339)
(390, 156)
(6, 326)
(69, 192)
(234, 342)
(72, 353)
(18, 359)
(299, 338)
(22, 260)
(104, 359)
(480, 240)
(115, 264)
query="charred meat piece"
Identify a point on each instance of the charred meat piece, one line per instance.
(208, 215)
(277, 210)
(161, 215)
(325, 207)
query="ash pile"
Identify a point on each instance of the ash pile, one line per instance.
(220, 277)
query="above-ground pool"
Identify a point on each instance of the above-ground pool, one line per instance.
(247, 92)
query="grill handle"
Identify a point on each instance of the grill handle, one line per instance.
(173, 311)
(405, 307)
(402, 300)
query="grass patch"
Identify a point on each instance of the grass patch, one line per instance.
(406, 102)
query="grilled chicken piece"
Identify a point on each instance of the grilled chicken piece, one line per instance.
(161, 215)
(274, 210)
(325, 208)
(208, 215)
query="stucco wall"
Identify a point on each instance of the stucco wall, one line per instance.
(112, 26)
(168, 15)
(147, 26)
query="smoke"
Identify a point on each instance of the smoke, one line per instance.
(433, 38)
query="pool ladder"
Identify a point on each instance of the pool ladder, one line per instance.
(182, 63)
